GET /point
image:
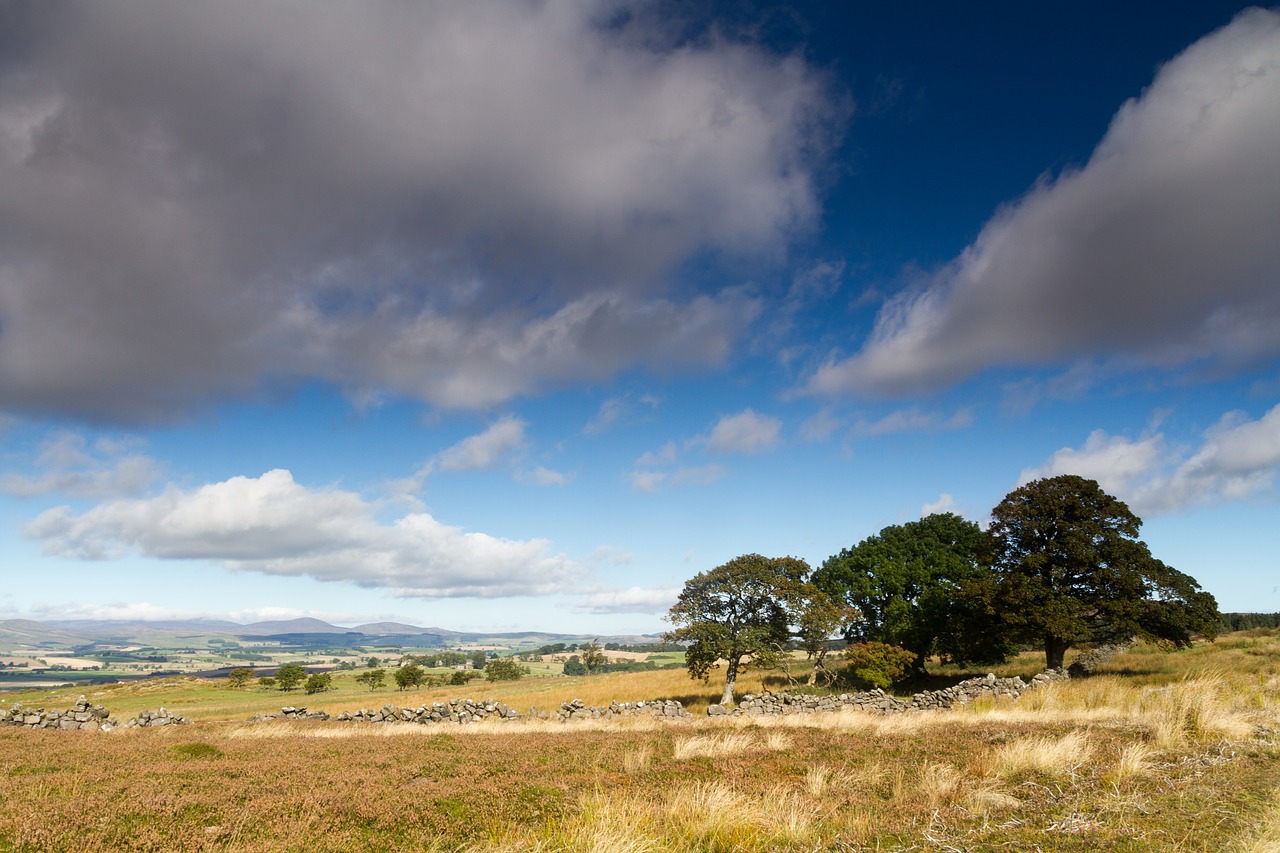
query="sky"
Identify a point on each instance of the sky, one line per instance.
(516, 315)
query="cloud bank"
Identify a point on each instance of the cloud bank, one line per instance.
(1238, 459)
(1161, 250)
(460, 202)
(273, 525)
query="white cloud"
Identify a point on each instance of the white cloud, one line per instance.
(484, 450)
(272, 525)
(653, 481)
(745, 432)
(1117, 463)
(944, 503)
(69, 466)
(913, 420)
(663, 456)
(633, 600)
(543, 477)
(1161, 250)
(1238, 459)
(819, 427)
(433, 214)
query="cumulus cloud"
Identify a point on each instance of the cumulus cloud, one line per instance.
(633, 600)
(460, 202)
(273, 525)
(944, 503)
(747, 431)
(1161, 250)
(1238, 459)
(67, 464)
(699, 475)
(543, 477)
(913, 420)
(486, 449)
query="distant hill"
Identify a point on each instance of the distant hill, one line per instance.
(78, 632)
(396, 628)
(288, 626)
(133, 627)
(28, 632)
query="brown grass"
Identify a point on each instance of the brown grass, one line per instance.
(1186, 762)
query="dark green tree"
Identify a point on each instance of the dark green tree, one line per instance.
(592, 656)
(239, 676)
(318, 682)
(1071, 570)
(290, 676)
(911, 586)
(409, 675)
(574, 666)
(503, 669)
(742, 612)
(477, 660)
(373, 679)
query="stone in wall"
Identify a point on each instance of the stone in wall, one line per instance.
(82, 716)
(156, 719)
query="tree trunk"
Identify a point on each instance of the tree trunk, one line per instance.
(1055, 651)
(730, 679)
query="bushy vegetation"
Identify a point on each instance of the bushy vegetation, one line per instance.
(876, 664)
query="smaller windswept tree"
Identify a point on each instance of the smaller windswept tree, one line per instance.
(746, 613)
(373, 679)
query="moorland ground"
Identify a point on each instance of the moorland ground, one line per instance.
(1162, 751)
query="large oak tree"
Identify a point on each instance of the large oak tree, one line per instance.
(1070, 569)
(912, 586)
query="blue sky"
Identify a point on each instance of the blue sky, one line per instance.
(516, 315)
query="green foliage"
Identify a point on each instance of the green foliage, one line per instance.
(877, 664)
(1070, 570)
(911, 585)
(409, 675)
(504, 669)
(1247, 621)
(318, 682)
(462, 676)
(267, 683)
(290, 676)
(592, 656)
(741, 612)
(574, 666)
(373, 679)
(239, 676)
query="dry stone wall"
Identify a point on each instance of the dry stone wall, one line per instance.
(466, 711)
(82, 716)
(877, 701)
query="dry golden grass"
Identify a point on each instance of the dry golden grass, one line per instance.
(1049, 756)
(1182, 762)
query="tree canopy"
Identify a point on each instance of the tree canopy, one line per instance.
(290, 676)
(1069, 569)
(910, 585)
(742, 612)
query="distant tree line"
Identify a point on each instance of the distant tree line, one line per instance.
(1249, 621)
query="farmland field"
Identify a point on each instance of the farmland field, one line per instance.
(1163, 751)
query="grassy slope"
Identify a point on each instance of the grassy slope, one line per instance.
(1171, 751)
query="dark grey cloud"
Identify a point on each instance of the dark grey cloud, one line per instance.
(199, 197)
(1163, 249)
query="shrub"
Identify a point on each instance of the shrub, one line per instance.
(503, 669)
(573, 666)
(318, 682)
(876, 664)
